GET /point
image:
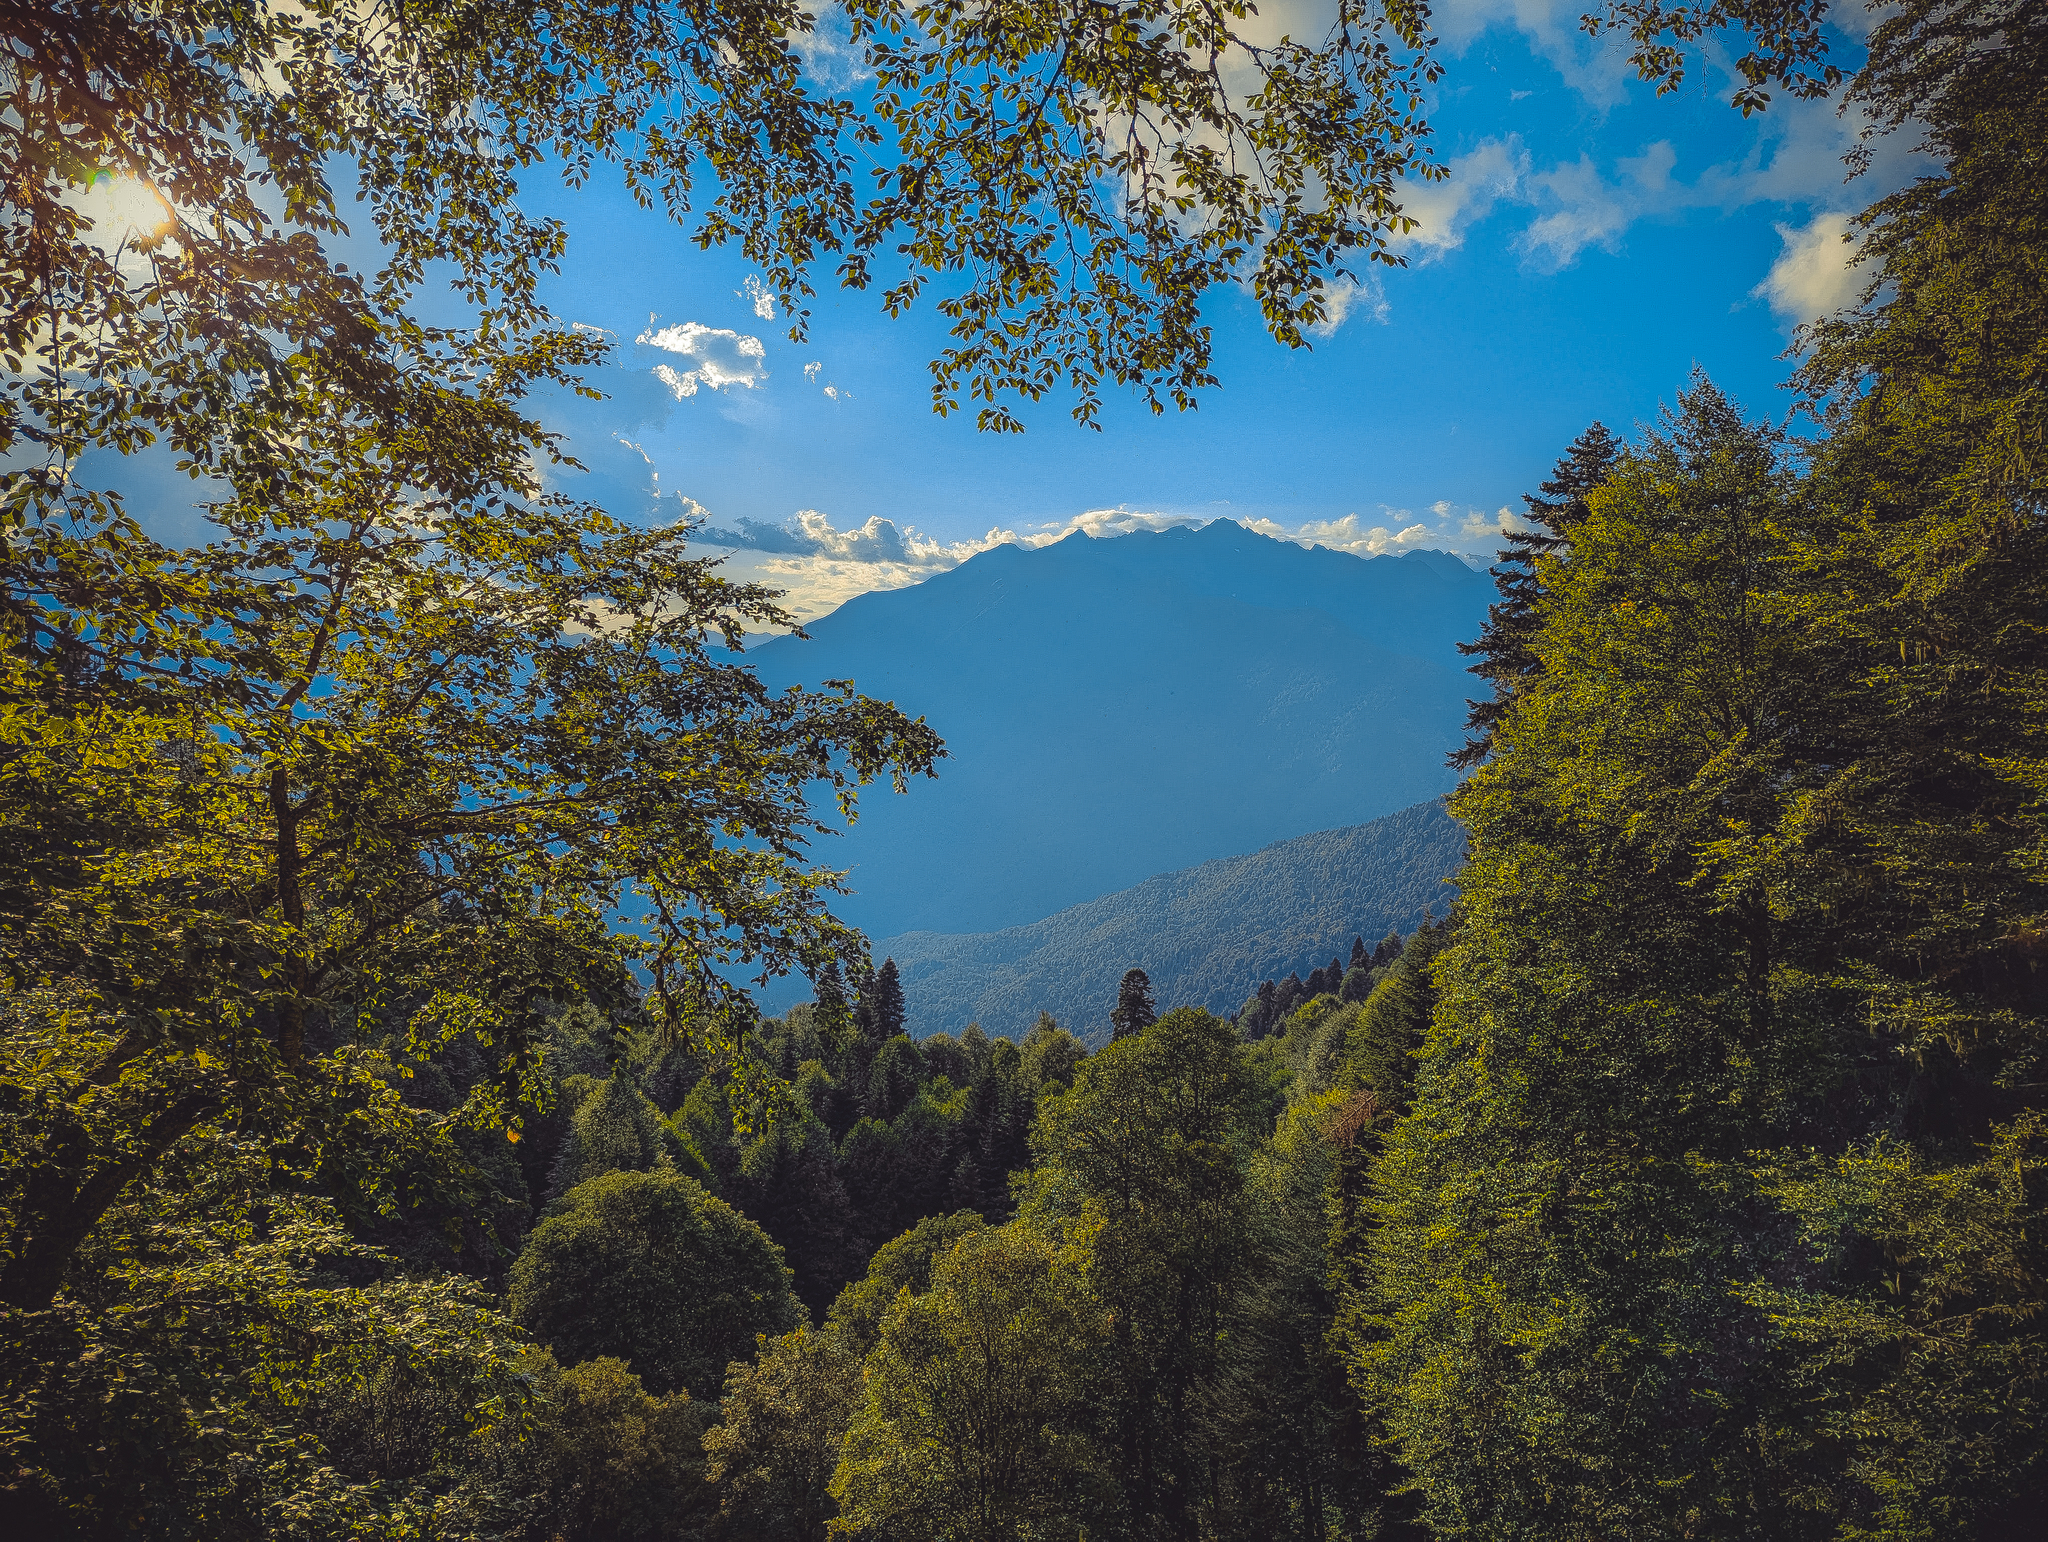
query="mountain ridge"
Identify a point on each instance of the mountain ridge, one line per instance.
(1119, 708)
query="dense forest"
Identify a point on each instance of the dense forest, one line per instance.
(361, 1177)
(1203, 932)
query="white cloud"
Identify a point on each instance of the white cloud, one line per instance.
(819, 566)
(1812, 276)
(1352, 534)
(756, 293)
(1598, 70)
(1796, 159)
(717, 358)
(1792, 154)
(1444, 210)
(828, 50)
(1485, 530)
(1363, 296)
(1586, 211)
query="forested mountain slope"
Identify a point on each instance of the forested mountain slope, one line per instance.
(1124, 707)
(1205, 935)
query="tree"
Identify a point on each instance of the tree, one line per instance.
(1049, 1055)
(894, 1078)
(831, 1002)
(1154, 1141)
(651, 1269)
(776, 1446)
(1361, 956)
(1506, 660)
(1379, 1046)
(1698, 1224)
(604, 1459)
(1133, 1012)
(1294, 1450)
(1627, 1004)
(969, 1429)
(886, 1012)
(409, 726)
(613, 1129)
(787, 1183)
(903, 1263)
(210, 1370)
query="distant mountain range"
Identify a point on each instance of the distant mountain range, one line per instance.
(1123, 707)
(1206, 935)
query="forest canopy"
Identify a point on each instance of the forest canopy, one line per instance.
(361, 1176)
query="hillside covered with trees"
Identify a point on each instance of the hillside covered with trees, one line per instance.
(1202, 932)
(359, 1178)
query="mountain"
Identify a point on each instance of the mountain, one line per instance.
(1206, 936)
(1121, 707)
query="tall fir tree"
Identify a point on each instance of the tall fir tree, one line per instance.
(1506, 661)
(1718, 1210)
(888, 1014)
(1134, 1011)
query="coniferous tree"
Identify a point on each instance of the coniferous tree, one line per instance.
(1134, 1011)
(1360, 957)
(1608, 1050)
(868, 1036)
(1261, 1011)
(1718, 1209)
(885, 1019)
(1502, 649)
(1290, 994)
(831, 995)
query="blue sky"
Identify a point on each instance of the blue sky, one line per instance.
(1592, 245)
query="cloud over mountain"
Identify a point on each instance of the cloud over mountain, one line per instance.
(819, 566)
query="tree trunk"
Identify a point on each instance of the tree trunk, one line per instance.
(66, 1196)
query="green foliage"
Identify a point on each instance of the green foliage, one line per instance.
(1687, 1183)
(787, 1181)
(651, 1269)
(1712, 1216)
(904, 1263)
(614, 1128)
(206, 1375)
(1380, 1041)
(1565, 1219)
(782, 1423)
(1152, 1145)
(1134, 1011)
(604, 1461)
(1506, 660)
(893, 1079)
(831, 1185)
(1050, 1054)
(1292, 1448)
(967, 1429)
